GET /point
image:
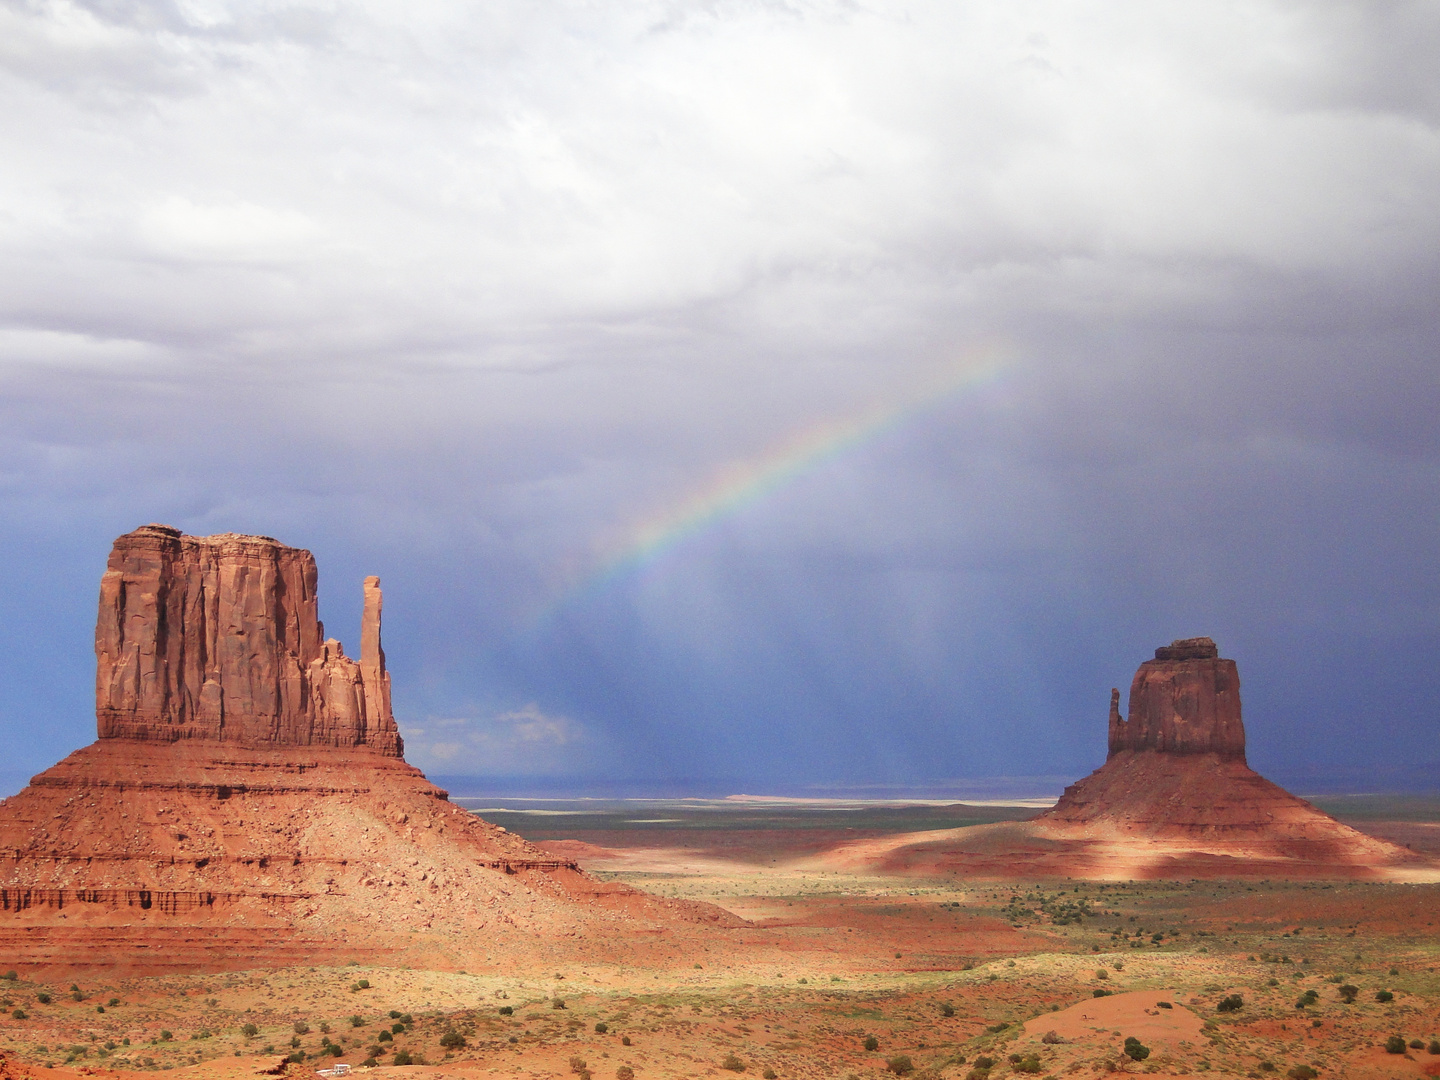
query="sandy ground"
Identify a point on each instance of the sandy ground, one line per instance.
(939, 970)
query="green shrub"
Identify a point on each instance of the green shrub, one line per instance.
(872, 1043)
(1384, 996)
(1134, 1050)
(1232, 1003)
(19, 1014)
(984, 1063)
(624, 1040)
(624, 1072)
(402, 1057)
(732, 1063)
(301, 1028)
(1030, 1063)
(357, 1021)
(9, 976)
(577, 1064)
(1417, 1044)
(296, 1057)
(166, 1036)
(395, 1014)
(1348, 993)
(1097, 992)
(397, 1027)
(557, 1003)
(1434, 1047)
(769, 1074)
(43, 998)
(507, 1010)
(946, 1009)
(384, 1036)
(452, 1040)
(601, 1027)
(900, 1065)
(1302, 1072)
(1394, 1045)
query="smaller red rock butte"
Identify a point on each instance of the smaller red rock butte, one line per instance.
(1185, 701)
(217, 637)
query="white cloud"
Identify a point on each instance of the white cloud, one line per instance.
(521, 742)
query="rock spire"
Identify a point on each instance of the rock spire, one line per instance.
(217, 637)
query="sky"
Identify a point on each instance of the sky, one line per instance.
(775, 397)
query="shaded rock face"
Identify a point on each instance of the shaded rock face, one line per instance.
(1185, 701)
(217, 637)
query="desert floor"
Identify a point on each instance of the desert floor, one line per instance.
(940, 973)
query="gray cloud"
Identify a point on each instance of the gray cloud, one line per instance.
(461, 294)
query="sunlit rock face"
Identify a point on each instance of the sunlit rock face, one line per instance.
(1185, 701)
(248, 804)
(217, 637)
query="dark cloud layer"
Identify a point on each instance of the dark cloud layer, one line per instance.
(461, 297)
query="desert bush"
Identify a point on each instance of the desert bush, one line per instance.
(9, 976)
(1307, 998)
(1434, 1047)
(1417, 1044)
(1101, 973)
(624, 1072)
(1267, 1066)
(978, 1074)
(624, 1040)
(1302, 1072)
(1051, 1039)
(384, 1036)
(507, 1010)
(394, 1014)
(19, 1014)
(557, 1003)
(301, 1028)
(370, 1062)
(1232, 1003)
(452, 1040)
(43, 998)
(357, 1021)
(166, 1036)
(946, 1009)
(1348, 993)
(249, 1031)
(769, 1074)
(402, 1057)
(732, 1063)
(1134, 1050)
(397, 1027)
(985, 1063)
(1097, 992)
(1384, 996)
(1030, 1063)
(601, 1027)
(1394, 1045)
(872, 1043)
(900, 1065)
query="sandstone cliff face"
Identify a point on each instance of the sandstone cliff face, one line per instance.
(217, 637)
(1185, 701)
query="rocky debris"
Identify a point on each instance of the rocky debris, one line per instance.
(1185, 701)
(217, 637)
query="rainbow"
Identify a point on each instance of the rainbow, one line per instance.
(740, 484)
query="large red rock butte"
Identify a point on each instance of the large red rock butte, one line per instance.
(247, 802)
(1174, 799)
(1176, 785)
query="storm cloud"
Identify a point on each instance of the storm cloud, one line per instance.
(463, 295)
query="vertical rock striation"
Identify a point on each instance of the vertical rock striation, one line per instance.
(1185, 701)
(217, 637)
